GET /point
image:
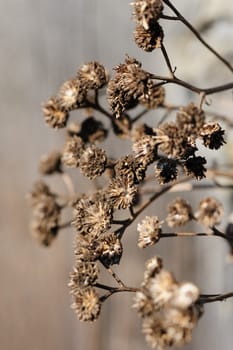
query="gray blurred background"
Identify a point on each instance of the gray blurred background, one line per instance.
(42, 44)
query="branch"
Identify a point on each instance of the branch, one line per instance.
(197, 34)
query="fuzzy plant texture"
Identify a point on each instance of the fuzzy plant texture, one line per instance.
(165, 154)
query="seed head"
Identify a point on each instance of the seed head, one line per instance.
(195, 166)
(86, 304)
(55, 115)
(72, 94)
(50, 163)
(92, 162)
(93, 75)
(149, 231)
(179, 213)
(73, 150)
(147, 12)
(121, 192)
(110, 249)
(190, 120)
(84, 274)
(92, 130)
(149, 39)
(212, 135)
(166, 170)
(210, 212)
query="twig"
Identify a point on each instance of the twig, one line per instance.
(197, 34)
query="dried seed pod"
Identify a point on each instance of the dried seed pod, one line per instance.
(92, 130)
(190, 119)
(179, 213)
(92, 162)
(195, 166)
(121, 192)
(127, 86)
(110, 249)
(210, 212)
(50, 163)
(93, 75)
(147, 11)
(166, 170)
(54, 114)
(149, 39)
(86, 304)
(73, 150)
(149, 231)
(212, 135)
(84, 274)
(72, 94)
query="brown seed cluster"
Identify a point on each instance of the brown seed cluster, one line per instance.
(148, 34)
(73, 94)
(168, 308)
(149, 231)
(46, 214)
(130, 86)
(164, 153)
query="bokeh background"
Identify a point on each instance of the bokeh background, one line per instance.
(42, 44)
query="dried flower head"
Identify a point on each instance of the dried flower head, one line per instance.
(210, 212)
(93, 75)
(147, 11)
(212, 135)
(185, 295)
(179, 213)
(127, 86)
(149, 231)
(85, 248)
(91, 218)
(92, 130)
(190, 120)
(195, 166)
(145, 149)
(121, 192)
(72, 94)
(55, 115)
(153, 97)
(110, 249)
(40, 190)
(168, 308)
(86, 304)
(50, 163)
(149, 39)
(172, 140)
(130, 167)
(92, 162)
(170, 327)
(73, 150)
(84, 274)
(46, 215)
(166, 170)
(153, 266)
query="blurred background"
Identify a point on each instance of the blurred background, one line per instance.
(42, 44)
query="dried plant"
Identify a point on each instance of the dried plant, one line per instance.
(165, 153)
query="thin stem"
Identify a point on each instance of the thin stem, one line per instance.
(166, 57)
(207, 91)
(114, 275)
(215, 233)
(213, 298)
(197, 34)
(65, 225)
(165, 189)
(141, 114)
